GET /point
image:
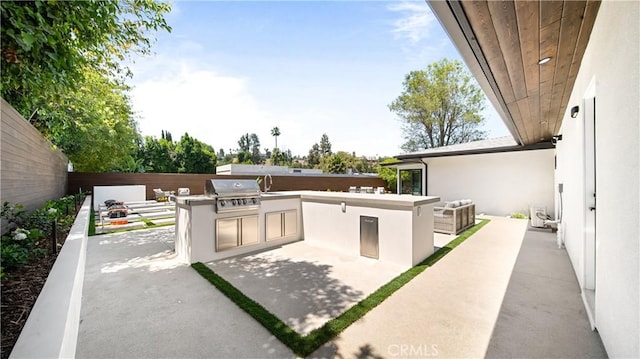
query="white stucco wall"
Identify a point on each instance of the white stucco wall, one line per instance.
(612, 64)
(130, 193)
(498, 183)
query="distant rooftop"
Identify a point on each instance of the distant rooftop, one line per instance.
(242, 169)
(492, 145)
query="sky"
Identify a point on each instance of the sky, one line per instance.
(307, 67)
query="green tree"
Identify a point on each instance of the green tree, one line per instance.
(250, 149)
(389, 174)
(243, 143)
(325, 145)
(158, 155)
(254, 142)
(361, 164)
(313, 159)
(244, 157)
(336, 163)
(277, 157)
(275, 132)
(166, 135)
(440, 106)
(92, 123)
(46, 46)
(193, 156)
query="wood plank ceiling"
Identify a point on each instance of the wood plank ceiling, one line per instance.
(513, 36)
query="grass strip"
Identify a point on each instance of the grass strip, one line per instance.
(305, 345)
(135, 229)
(92, 222)
(148, 222)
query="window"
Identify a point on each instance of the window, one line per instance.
(411, 182)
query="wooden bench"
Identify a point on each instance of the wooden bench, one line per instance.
(454, 217)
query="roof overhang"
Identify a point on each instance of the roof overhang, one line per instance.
(502, 42)
(420, 156)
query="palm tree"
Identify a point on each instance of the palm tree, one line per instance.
(275, 132)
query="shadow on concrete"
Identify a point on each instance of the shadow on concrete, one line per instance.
(301, 293)
(542, 314)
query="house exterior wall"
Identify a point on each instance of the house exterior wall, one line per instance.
(32, 170)
(498, 183)
(610, 71)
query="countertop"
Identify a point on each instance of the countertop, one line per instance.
(359, 199)
(364, 199)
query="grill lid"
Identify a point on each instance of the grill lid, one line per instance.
(227, 188)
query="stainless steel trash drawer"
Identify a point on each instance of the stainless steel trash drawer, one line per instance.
(369, 236)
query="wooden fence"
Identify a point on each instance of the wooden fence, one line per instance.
(33, 171)
(195, 182)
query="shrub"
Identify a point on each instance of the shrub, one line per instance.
(12, 255)
(20, 245)
(14, 214)
(519, 216)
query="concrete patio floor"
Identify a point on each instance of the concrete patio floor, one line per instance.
(305, 286)
(139, 302)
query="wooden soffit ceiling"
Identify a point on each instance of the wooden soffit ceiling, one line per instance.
(505, 40)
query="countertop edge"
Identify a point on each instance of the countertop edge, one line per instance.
(329, 197)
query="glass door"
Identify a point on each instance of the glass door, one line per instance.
(411, 182)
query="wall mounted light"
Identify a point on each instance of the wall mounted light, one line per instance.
(544, 60)
(555, 139)
(574, 111)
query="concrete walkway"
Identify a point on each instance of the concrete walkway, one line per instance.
(495, 296)
(542, 315)
(139, 302)
(449, 310)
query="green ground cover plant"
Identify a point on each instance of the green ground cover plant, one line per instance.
(26, 232)
(305, 345)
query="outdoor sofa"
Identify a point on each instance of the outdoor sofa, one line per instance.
(454, 217)
(162, 196)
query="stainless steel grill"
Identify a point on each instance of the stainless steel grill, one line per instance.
(233, 194)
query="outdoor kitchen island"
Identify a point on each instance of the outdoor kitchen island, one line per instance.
(387, 227)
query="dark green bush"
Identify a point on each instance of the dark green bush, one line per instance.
(20, 245)
(12, 254)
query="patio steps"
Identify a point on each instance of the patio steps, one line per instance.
(139, 214)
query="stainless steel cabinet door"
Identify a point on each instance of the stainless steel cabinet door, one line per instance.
(273, 225)
(281, 224)
(290, 223)
(249, 230)
(226, 234)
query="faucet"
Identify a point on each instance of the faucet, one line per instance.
(267, 187)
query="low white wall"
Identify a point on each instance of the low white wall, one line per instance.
(132, 193)
(611, 61)
(405, 235)
(51, 331)
(498, 183)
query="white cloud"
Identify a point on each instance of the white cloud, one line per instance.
(182, 95)
(214, 108)
(415, 22)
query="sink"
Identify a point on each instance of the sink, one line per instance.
(277, 194)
